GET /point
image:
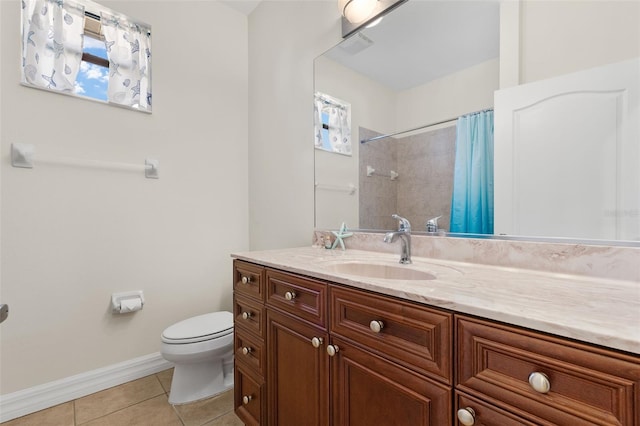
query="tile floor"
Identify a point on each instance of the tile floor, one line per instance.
(142, 402)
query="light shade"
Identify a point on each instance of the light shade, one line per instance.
(356, 11)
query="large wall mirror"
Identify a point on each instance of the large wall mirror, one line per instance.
(426, 64)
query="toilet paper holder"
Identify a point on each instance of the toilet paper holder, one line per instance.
(128, 301)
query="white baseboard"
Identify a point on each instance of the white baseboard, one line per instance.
(37, 398)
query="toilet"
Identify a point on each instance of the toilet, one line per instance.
(202, 350)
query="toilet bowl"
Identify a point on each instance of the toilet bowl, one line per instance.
(202, 350)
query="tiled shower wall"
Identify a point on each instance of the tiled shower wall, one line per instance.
(424, 163)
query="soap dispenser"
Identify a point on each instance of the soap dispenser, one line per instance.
(432, 224)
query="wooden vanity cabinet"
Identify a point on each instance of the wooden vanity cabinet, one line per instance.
(393, 361)
(308, 352)
(399, 375)
(298, 366)
(543, 379)
(248, 340)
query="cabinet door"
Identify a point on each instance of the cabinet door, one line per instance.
(249, 396)
(369, 390)
(298, 372)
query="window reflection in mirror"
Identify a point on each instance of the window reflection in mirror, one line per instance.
(82, 48)
(332, 124)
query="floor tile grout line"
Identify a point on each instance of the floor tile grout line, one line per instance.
(115, 411)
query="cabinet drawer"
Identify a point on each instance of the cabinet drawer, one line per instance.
(486, 414)
(248, 279)
(588, 385)
(249, 350)
(249, 315)
(413, 335)
(249, 397)
(303, 297)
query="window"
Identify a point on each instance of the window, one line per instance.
(332, 124)
(93, 78)
(98, 54)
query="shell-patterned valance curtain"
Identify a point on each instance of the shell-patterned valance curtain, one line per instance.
(338, 123)
(129, 52)
(52, 43)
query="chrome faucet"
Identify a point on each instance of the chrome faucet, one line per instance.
(404, 233)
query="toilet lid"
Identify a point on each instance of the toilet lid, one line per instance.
(200, 328)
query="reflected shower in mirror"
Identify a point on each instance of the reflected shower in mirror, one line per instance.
(394, 84)
(82, 48)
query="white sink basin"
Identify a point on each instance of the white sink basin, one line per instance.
(382, 271)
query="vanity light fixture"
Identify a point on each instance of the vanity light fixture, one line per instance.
(358, 14)
(356, 11)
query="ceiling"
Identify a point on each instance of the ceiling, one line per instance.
(423, 40)
(243, 6)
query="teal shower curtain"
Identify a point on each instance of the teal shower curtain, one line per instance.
(472, 201)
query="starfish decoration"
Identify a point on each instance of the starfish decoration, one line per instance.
(340, 235)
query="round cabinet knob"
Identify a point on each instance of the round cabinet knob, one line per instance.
(290, 295)
(247, 350)
(246, 399)
(246, 280)
(246, 315)
(539, 382)
(332, 350)
(316, 342)
(376, 326)
(466, 416)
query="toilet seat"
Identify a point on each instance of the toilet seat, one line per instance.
(199, 329)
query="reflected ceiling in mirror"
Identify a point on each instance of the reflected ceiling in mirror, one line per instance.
(421, 41)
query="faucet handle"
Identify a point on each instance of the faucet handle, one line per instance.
(404, 224)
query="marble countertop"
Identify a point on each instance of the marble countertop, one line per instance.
(597, 310)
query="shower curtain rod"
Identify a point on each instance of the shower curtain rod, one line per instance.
(375, 138)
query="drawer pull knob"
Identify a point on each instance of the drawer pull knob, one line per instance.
(246, 280)
(316, 342)
(246, 350)
(376, 326)
(539, 382)
(246, 399)
(332, 350)
(466, 416)
(290, 295)
(246, 315)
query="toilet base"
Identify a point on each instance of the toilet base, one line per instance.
(195, 381)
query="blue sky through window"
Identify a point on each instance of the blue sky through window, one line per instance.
(92, 80)
(325, 133)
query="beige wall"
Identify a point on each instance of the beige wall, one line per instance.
(73, 235)
(561, 37)
(459, 93)
(335, 206)
(284, 38)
